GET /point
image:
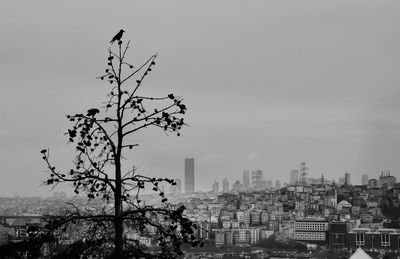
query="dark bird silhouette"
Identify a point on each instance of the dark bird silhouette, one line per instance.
(117, 37)
(92, 112)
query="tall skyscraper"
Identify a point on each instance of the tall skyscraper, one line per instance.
(189, 175)
(246, 180)
(294, 176)
(277, 184)
(347, 178)
(364, 179)
(225, 185)
(256, 178)
(215, 187)
(303, 173)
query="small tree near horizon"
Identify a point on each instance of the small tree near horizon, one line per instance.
(102, 137)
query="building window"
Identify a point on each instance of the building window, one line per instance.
(360, 239)
(385, 239)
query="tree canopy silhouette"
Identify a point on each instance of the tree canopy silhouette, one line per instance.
(102, 137)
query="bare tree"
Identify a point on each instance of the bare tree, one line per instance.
(102, 137)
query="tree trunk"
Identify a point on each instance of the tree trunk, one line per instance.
(118, 227)
(118, 220)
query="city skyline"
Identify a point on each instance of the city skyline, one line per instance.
(344, 180)
(227, 184)
(267, 85)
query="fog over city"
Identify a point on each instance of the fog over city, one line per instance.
(267, 84)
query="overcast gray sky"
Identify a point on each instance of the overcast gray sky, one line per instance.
(268, 84)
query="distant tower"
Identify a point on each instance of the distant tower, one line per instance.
(347, 178)
(189, 175)
(364, 179)
(294, 176)
(246, 180)
(225, 185)
(303, 173)
(236, 186)
(256, 179)
(322, 179)
(215, 187)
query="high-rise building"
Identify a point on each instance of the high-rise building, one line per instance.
(347, 178)
(225, 185)
(215, 187)
(303, 173)
(386, 179)
(364, 179)
(277, 184)
(237, 186)
(256, 178)
(189, 175)
(246, 180)
(294, 176)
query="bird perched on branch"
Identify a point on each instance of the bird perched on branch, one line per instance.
(117, 36)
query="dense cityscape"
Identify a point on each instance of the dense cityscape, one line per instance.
(254, 218)
(200, 129)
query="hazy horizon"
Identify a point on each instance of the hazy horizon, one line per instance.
(268, 84)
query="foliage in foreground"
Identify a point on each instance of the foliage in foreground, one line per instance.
(102, 138)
